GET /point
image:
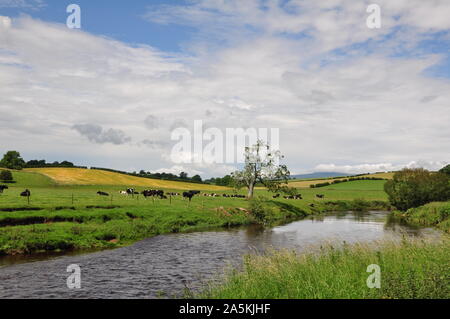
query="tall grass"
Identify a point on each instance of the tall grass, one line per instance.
(433, 214)
(408, 270)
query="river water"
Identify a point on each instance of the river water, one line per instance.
(165, 265)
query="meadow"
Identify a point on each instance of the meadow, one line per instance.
(62, 216)
(409, 270)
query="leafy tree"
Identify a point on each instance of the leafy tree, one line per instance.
(261, 167)
(196, 178)
(445, 170)
(6, 176)
(415, 187)
(12, 160)
(183, 175)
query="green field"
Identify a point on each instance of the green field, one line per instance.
(61, 216)
(410, 270)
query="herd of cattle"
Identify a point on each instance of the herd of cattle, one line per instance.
(160, 194)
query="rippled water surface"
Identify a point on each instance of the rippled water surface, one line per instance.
(166, 264)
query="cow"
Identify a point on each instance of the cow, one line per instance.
(123, 193)
(320, 196)
(25, 193)
(188, 195)
(173, 194)
(100, 193)
(153, 192)
(276, 196)
(2, 188)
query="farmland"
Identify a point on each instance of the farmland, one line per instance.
(65, 214)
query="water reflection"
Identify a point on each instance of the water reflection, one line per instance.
(167, 263)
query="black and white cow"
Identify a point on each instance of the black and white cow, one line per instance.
(102, 193)
(320, 196)
(26, 193)
(153, 193)
(2, 188)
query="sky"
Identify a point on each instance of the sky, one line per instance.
(344, 97)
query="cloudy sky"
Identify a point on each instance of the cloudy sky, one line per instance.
(345, 97)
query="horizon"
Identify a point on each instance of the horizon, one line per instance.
(111, 93)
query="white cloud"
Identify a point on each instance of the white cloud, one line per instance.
(379, 167)
(249, 66)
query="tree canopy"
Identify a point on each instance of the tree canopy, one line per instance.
(12, 160)
(415, 187)
(261, 166)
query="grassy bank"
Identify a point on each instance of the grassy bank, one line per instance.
(74, 217)
(24, 231)
(408, 270)
(435, 214)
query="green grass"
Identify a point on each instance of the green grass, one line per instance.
(408, 270)
(58, 217)
(433, 214)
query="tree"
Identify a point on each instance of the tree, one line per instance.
(261, 167)
(415, 187)
(12, 160)
(6, 176)
(183, 175)
(445, 170)
(196, 178)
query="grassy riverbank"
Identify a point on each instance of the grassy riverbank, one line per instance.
(72, 217)
(408, 270)
(99, 227)
(435, 214)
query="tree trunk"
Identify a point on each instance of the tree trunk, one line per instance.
(251, 188)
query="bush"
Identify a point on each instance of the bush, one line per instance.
(260, 209)
(445, 170)
(411, 188)
(6, 176)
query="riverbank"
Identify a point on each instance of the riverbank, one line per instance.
(435, 214)
(409, 270)
(103, 227)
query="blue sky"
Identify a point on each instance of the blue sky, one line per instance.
(137, 69)
(121, 20)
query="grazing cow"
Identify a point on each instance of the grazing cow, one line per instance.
(173, 194)
(320, 196)
(130, 191)
(188, 195)
(123, 193)
(102, 193)
(153, 192)
(2, 188)
(293, 197)
(276, 196)
(26, 193)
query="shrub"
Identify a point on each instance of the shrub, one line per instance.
(411, 188)
(6, 176)
(260, 209)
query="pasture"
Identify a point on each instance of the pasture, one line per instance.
(61, 216)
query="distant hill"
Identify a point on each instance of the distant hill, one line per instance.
(320, 175)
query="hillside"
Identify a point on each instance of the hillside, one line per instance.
(306, 183)
(79, 176)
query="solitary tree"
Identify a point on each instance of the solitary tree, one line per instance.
(12, 160)
(261, 166)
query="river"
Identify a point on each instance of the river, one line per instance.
(163, 266)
